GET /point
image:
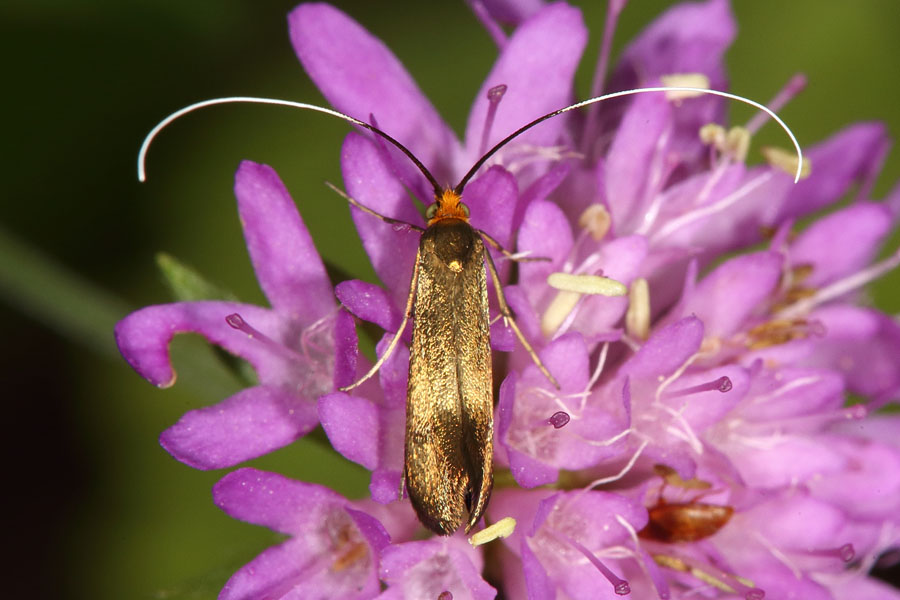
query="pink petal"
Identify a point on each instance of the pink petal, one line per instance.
(351, 424)
(360, 76)
(633, 160)
(729, 295)
(841, 243)
(666, 350)
(286, 262)
(143, 336)
(690, 37)
(369, 302)
(248, 424)
(852, 155)
(371, 182)
(273, 501)
(538, 82)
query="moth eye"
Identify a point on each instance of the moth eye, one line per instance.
(432, 210)
(465, 209)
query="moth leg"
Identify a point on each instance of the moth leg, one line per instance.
(396, 339)
(369, 211)
(507, 313)
(496, 245)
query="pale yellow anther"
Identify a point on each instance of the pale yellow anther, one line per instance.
(587, 284)
(560, 307)
(637, 318)
(713, 134)
(596, 220)
(693, 80)
(737, 143)
(786, 161)
(501, 529)
(571, 288)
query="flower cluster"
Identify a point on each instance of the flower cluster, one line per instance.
(700, 443)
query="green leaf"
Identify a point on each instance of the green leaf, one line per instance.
(186, 284)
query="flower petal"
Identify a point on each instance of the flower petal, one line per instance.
(546, 233)
(841, 243)
(371, 182)
(360, 76)
(286, 262)
(273, 501)
(492, 200)
(351, 424)
(726, 297)
(248, 424)
(332, 554)
(690, 37)
(634, 160)
(143, 336)
(428, 568)
(851, 155)
(666, 350)
(369, 302)
(346, 350)
(538, 82)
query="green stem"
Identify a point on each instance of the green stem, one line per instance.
(50, 294)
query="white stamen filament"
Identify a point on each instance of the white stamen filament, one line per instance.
(710, 209)
(623, 472)
(841, 287)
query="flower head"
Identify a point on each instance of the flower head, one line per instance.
(292, 346)
(699, 443)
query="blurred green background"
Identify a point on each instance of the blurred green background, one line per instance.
(99, 510)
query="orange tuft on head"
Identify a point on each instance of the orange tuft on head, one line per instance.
(447, 206)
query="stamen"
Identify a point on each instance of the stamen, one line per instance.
(587, 284)
(737, 143)
(699, 81)
(494, 95)
(620, 586)
(598, 370)
(596, 220)
(711, 575)
(637, 317)
(235, 321)
(733, 143)
(623, 472)
(487, 21)
(794, 86)
(572, 287)
(781, 331)
(710, 209)
(713, 134)
(445, 595)
(501, 529)
(613, 10)
(842, 286)
(845, 552)
(785, 161)
(559, 419)
(560, 308)
(722, 384)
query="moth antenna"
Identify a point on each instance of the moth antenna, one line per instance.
(694, 90)
(145, 146)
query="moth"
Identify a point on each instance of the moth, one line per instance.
(448, 457)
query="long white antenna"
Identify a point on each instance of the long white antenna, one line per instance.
(632, 92)
(145, 146)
